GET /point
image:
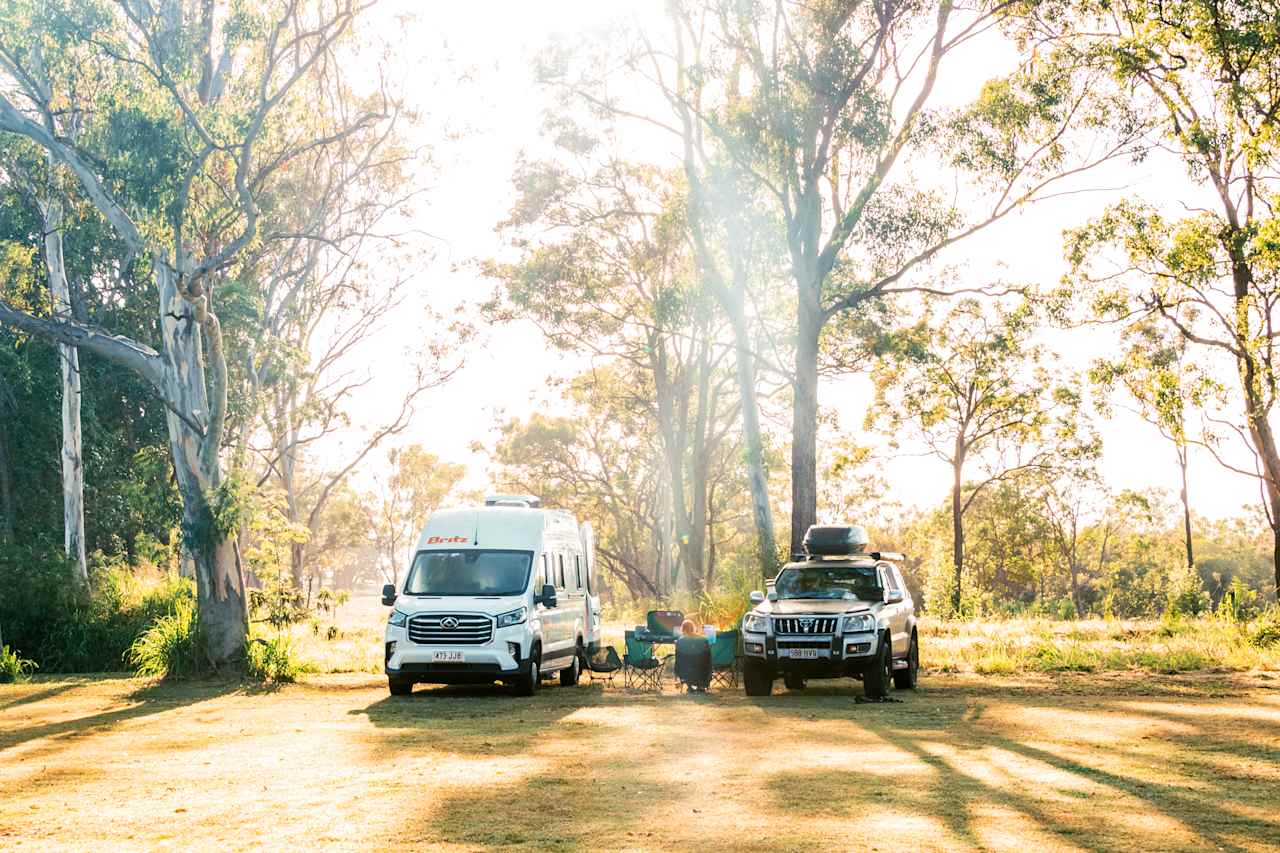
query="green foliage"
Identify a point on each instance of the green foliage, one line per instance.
(274, 659)
(14, 669)
(1186, 595)
(170, 647)
(1239, 603)
(65, 628)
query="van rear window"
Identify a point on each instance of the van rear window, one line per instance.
(470, 572)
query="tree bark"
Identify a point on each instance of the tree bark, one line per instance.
(72, 457)
(757, 475)
(957, 526)
(1186, 506)
(804, 420)
(195, 421)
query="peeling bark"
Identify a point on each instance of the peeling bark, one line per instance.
(72, 457)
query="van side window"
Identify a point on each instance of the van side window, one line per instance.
(560, 558)
(546, 573)
(577, 569)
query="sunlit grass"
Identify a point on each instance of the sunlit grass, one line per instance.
(1095, 645)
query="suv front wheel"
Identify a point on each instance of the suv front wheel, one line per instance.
(756, 678)
(878, 681)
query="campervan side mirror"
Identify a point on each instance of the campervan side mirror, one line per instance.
(388, 594)
(756, 596)
(547, 596)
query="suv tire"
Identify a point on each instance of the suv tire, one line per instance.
(756, 678)
(528, 684)
(878, 680)
(399, 686)
(793, 681)
(905, 679)
(570, 674)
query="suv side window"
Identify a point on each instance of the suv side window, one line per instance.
(890, 578)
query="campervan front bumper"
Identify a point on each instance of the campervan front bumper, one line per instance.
(505, 657)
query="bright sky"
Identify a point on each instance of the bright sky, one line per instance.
(471, 77)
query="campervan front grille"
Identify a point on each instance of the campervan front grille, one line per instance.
(450, 629)
(804, 625)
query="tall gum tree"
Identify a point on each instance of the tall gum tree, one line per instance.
(974, 388)
(202, 84)
(827, 106)
(1209, 74)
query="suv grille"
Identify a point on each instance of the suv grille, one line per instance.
(451, 628)
(805, 625)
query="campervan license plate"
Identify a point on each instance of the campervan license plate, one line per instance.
(448, 657)
(805, 654)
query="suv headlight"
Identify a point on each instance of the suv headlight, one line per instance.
(859, 623)
(397, 619)
(515, 617)
(755, 623)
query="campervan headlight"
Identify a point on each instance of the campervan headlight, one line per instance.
(755, 623)
(859, 623)
(397, 619)
(514, 617)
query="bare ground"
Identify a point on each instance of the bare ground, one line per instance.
(1120, 761)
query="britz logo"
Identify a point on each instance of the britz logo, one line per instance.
(441, 540)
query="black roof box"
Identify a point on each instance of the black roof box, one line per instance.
(835, 541)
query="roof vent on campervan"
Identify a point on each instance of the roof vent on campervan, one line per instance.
(528, 501)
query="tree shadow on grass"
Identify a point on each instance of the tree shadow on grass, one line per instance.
(148, 700)
(920, 730)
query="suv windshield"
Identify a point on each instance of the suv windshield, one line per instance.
(470, 572)
(829, 582)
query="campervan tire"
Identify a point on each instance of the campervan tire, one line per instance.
(879, 677)
(756, 678)
(905, 679)
(570, 674)
(399, 686)
(528, 684)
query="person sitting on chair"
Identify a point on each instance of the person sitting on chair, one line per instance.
(693, 658)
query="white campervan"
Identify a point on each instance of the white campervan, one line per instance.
(504, 592)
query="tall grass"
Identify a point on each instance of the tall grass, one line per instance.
(14, 669)
(1173, 645)
(170, 647)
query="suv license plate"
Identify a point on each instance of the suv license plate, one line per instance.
(448, 657)
(805, 654)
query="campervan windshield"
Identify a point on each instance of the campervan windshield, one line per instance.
(470, 572)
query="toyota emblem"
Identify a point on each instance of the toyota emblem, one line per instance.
(449, 622)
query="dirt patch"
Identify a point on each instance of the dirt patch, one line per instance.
(1070, 762)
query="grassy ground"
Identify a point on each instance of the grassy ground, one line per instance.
(1054, 762)
(1003, 647)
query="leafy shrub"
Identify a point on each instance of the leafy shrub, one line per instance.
(1239, 603)
(1266, 635)
(14, 669)
(64, 627)
(1071, 657)
(274, 659)
(170, 647)
(1186, 594)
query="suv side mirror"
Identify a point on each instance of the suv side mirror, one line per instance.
(892, 596)
(773, 595)
(756, 597)
(388, 594)
(547, 596)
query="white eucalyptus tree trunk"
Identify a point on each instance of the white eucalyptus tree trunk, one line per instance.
(197, 407)
(52, 213)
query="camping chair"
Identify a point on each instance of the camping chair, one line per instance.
(665, 622)
(604, 665)
(639, 667)
(693, 664)
(724, 659)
